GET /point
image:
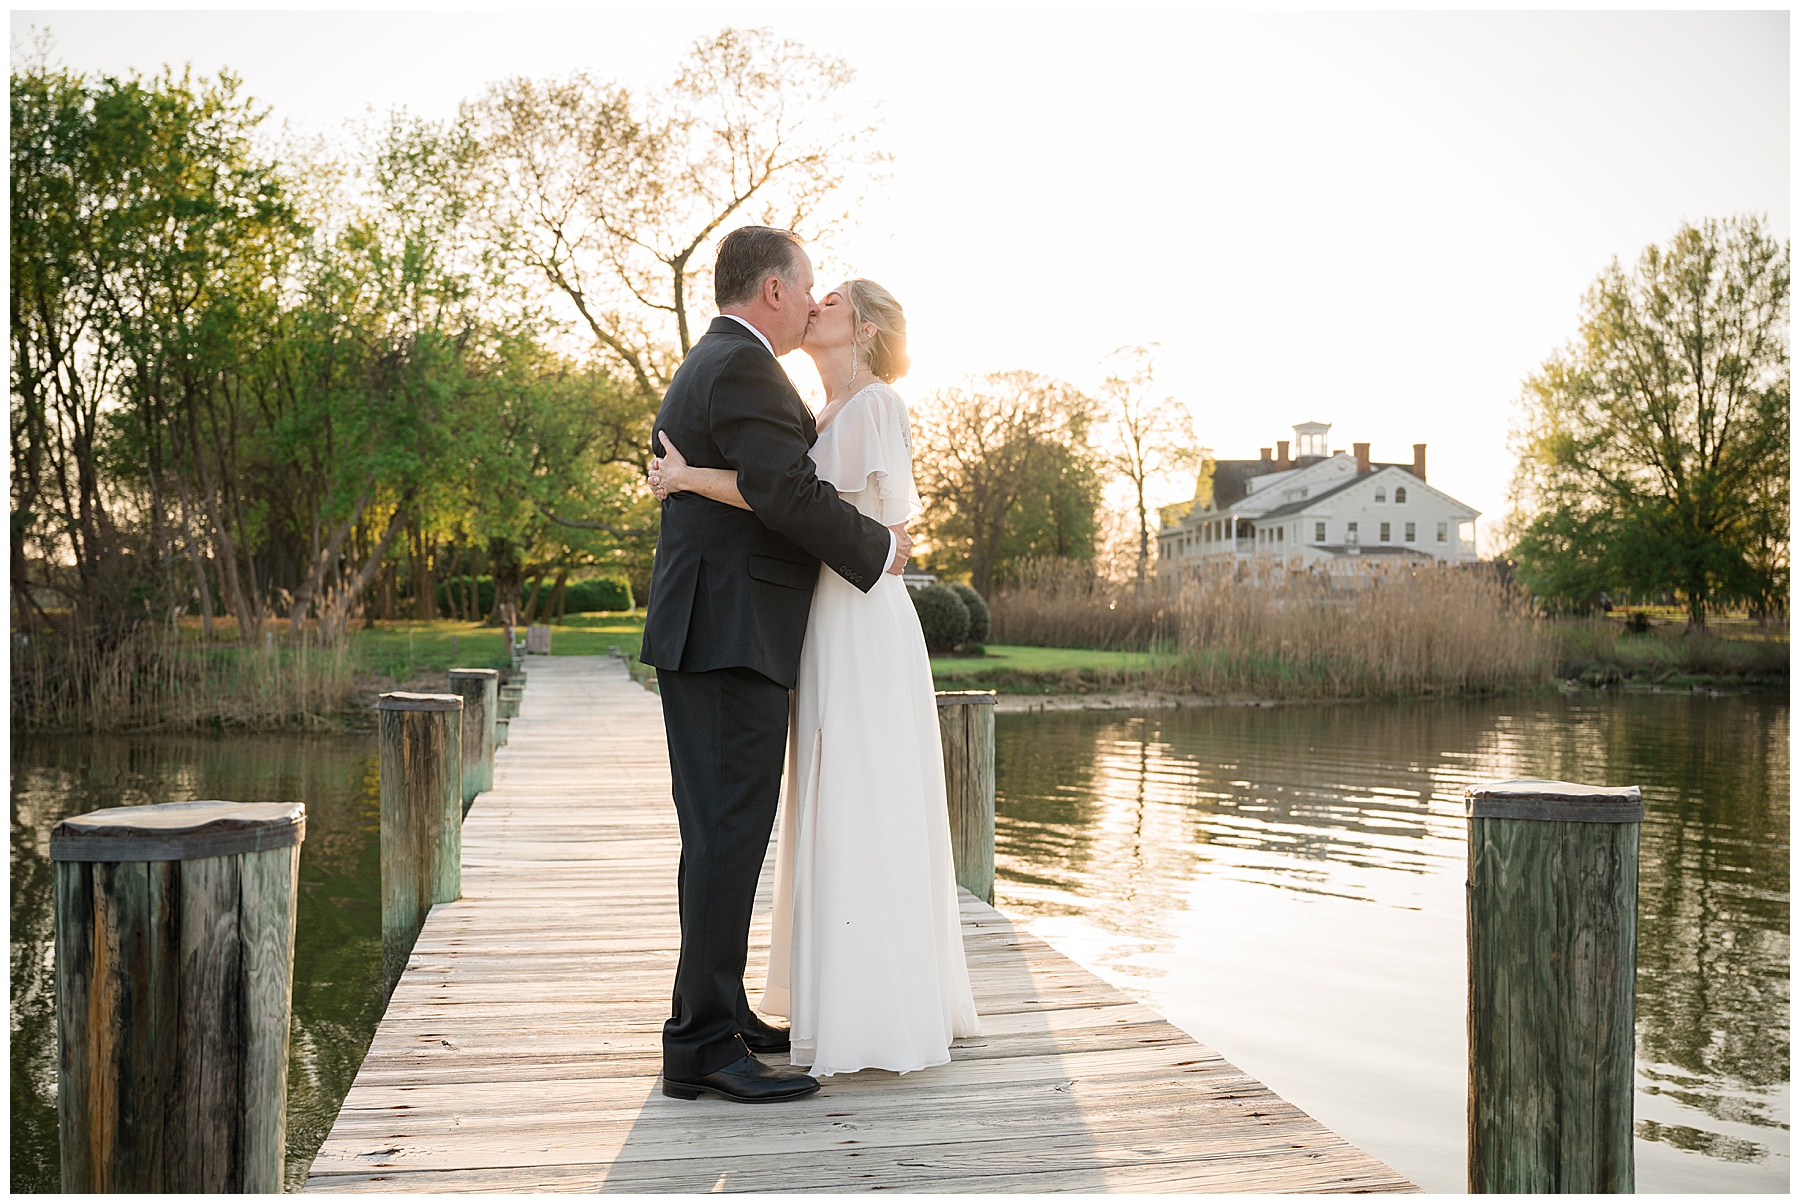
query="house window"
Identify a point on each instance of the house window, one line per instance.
(1443, 532)
(1385, 535)
(1412, 534)
(1350, 533)
(1399, 495)
(1318, 532)
(1381, 495)
(1280, 534)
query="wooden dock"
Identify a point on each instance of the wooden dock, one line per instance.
(521, 1048)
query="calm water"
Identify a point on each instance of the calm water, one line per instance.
(1287, 885)
(337, 952)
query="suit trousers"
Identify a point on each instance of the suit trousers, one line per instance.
(727, 734)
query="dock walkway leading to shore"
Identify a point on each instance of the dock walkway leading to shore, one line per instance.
(521, 1047)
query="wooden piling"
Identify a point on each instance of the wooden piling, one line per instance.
(537, 639)
(174, 988)
(966, 724)
(502, 730)
(480, 692)
(421, 817)
(1552, 930)
(512, 697)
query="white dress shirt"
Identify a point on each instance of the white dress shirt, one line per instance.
(893, 538)
(753, 330)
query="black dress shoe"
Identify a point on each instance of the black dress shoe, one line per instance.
(766, 1038)
(747, 1080)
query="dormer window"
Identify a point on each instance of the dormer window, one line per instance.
(1381, 495)
(1399, 495)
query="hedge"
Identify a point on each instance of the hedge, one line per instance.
(579, 597)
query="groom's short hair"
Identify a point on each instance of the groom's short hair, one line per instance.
(748, 256)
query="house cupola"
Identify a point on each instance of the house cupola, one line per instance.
(1311, 439)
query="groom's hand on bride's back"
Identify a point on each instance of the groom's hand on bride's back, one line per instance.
(903, 546)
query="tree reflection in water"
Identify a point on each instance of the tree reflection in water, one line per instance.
(1112, 816)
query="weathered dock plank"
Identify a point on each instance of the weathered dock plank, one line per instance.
(521, 1048)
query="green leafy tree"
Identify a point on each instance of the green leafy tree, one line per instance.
(1007, 471)
(149, 230)
(1653, 450)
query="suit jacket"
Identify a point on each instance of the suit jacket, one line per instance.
(733, 587)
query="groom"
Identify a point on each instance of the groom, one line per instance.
(729, 598)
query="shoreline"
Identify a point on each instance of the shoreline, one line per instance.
(358, 715)
(1149, 700)
(1133, 700)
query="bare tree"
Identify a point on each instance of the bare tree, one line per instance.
(1152, 435)
(612, 200)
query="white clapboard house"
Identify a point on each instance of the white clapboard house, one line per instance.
(1319, 508)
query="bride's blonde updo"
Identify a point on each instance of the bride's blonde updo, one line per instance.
(885, 353)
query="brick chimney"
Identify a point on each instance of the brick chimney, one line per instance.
(1362, 456)
(1265, 455)
(1281, 456)
(1419, 460)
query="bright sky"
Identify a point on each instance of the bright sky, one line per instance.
(1381, 221)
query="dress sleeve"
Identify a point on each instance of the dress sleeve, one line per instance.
(900, 502)
(871, 447)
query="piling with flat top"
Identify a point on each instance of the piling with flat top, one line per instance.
(480, 691)
(501, 732)
(421, 817)
(512, 696)
(174, 987)
(966, 724)
(1553, 870)
(537, 639)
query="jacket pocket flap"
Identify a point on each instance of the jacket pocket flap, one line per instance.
(784, 572)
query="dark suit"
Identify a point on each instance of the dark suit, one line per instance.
(729, 597)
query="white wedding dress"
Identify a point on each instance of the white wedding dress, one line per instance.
(866, 959)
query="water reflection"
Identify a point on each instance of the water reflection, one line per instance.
(1186, 853)
(337, 951)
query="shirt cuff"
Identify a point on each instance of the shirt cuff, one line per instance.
(893, 550)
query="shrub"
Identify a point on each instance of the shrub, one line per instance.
(600, 593)
(942, 617)
(979, 620)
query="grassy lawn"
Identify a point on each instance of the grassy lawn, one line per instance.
(1012, 669)
(403, 649)
(406, 649)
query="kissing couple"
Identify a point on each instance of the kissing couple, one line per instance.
(777, 570)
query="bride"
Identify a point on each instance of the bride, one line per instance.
(866, 958)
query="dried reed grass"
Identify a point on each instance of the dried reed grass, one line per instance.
(1276, 631)
(152, 678)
